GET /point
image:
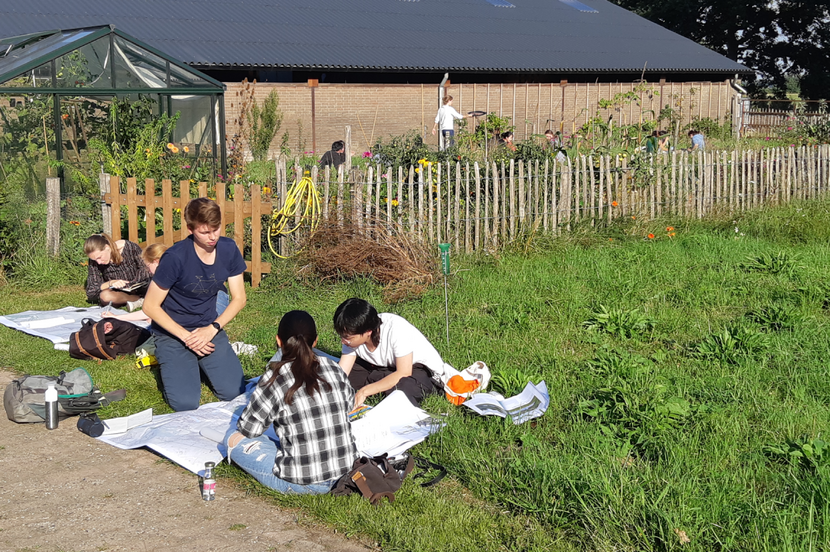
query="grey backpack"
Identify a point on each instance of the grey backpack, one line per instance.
(24, 399)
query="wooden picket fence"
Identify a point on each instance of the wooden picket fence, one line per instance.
(474, 207)
(484, 207)
(143, 207)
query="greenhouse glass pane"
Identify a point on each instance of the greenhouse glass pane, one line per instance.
(86, 67)
(137, 68)
(19, 58)
(39, 77)
(194, 127)
(182, 78)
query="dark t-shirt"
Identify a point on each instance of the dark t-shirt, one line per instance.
(193, 285)
(332, 158)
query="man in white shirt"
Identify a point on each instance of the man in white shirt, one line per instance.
(445, 120)
(384, 352)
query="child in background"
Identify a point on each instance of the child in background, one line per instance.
(307, 398)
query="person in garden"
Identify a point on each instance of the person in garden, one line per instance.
(506, 140)
(181, 302)
(151, 257)
(445, 122)
(384, 352)
(698, 143)
(335, 157)
(307, 398)
(114, 265)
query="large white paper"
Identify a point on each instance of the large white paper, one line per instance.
(531, 403)
(176, 436)
(393, 426)
(192, 438)
(114, 426)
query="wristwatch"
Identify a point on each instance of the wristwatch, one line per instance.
(217, 326)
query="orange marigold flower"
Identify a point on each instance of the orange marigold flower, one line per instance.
(633, 217)
(614, 204)
(266, 190)
(651, 236)
(669, 228)
(671, 234)
(74, 223)
(610, 239)
(65, 116)
(175, 149)
(186, 149)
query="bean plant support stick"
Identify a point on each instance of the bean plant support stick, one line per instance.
(445, 269)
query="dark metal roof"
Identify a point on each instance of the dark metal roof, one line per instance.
(397, 35)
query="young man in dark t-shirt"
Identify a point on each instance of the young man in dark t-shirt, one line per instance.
(335, 157)
(181, 302)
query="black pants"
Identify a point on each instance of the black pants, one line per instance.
(415, 387)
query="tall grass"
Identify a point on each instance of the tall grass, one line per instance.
(689, 385)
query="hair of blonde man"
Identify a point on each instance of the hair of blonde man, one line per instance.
(97, 242)
(153, 252)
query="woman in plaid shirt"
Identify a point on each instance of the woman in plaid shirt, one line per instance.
(307, 398)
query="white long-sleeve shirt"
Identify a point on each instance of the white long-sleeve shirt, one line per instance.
(445, 116)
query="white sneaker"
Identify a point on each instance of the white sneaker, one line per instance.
(135, 305)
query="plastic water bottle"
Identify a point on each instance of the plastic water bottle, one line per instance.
(209, 483)
(51, 399)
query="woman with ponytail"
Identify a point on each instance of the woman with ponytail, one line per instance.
(307, 398)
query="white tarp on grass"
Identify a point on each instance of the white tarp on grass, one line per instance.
(194, 437)
(55, 325)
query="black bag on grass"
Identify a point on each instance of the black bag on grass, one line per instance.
(375, 478)
(25, 402)
(106, 339)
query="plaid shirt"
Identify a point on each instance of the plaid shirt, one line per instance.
(131, 269)
(316, 442)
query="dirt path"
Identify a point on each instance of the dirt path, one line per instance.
(63, 491)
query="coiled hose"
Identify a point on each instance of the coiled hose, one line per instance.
(301, 208)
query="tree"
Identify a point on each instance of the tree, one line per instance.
(776, 38)
(263, 125)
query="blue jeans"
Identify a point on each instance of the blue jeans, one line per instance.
(449, 138)
(222, 302)
(179, 369)
(256, 457)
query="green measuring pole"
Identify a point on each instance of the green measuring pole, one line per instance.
(445, 268)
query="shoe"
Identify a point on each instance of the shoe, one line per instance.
(135, 305)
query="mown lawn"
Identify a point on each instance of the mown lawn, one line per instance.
(688, 376)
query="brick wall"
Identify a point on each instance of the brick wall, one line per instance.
(381, 110)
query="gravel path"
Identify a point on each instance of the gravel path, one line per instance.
(64, 491)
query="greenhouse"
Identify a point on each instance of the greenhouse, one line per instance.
(77, 102)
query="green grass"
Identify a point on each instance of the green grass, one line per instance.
(688, 376)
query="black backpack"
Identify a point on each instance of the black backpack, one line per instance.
(106, 339)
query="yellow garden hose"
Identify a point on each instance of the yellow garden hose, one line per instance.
(302, 196)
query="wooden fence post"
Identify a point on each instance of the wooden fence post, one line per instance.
(106, 209)
(53, 216)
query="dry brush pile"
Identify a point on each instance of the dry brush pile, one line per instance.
(379, 250)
